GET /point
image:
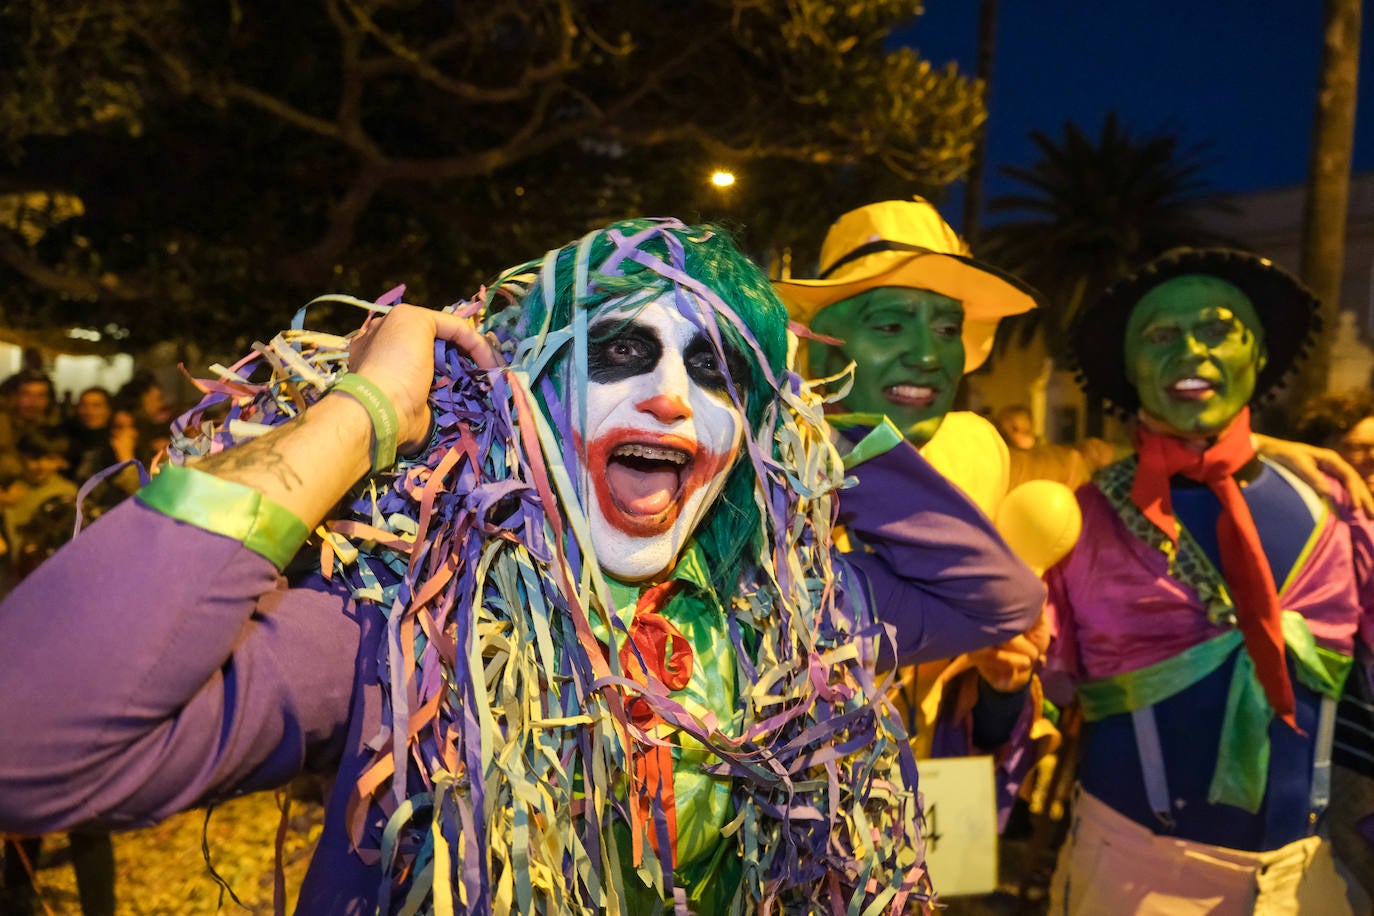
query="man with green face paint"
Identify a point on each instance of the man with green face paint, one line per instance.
(901, 301)
(1208, 614)
(909, 345)
(1193, 353)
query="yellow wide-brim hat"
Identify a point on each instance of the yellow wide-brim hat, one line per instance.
(906, 243)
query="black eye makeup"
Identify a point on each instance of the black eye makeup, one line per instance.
(704, 366)
(618, 349)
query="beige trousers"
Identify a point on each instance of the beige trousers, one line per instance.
(1112, 866)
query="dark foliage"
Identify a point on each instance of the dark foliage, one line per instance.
(198, 169)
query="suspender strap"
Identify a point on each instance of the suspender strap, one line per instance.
(1152, 764)
(1243, 750)
(1321, 759)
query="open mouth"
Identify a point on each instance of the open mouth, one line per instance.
(1191, 389)
(908, 395)
(645, 480)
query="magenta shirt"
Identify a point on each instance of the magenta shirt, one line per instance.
(1114, 608)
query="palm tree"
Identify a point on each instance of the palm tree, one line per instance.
(973, 180)
(1328, 181)
(1094, 210)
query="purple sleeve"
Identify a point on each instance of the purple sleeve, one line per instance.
(151, 666)
(1361, 529)
(931, 563)
(1362, 544)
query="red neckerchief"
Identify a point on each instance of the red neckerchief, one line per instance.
(1243, 564)
(651, 765)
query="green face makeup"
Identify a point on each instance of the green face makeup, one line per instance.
(1194, 348)
(908, 351)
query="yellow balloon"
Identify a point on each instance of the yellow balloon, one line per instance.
(1040, 520)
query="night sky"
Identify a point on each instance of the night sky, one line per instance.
(1237, 76)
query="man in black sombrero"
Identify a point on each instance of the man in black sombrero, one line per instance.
(1210, 610)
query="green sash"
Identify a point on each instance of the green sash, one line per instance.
(1242, 769)
(1243, 754)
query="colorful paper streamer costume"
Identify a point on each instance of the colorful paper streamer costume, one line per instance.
(510, 774)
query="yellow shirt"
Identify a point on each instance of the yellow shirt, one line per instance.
(969, 452)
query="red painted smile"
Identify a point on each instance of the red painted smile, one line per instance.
(642, 480)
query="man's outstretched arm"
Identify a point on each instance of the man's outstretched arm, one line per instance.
(160, 659)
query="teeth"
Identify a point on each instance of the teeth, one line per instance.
(1191, 384)
(912, 391)
(653, 453)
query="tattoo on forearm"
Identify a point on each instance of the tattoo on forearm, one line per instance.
(258, 457)
(258, 461)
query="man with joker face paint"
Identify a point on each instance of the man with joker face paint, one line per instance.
(661, 431)
(1209, 613)
(583, 647)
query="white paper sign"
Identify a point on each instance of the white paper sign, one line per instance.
(961, 824)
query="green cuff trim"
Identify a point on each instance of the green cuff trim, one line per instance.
(884, 437)
(231, 509)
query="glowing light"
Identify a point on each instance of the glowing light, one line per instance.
(722, 179)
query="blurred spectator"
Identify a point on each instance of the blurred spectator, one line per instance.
(28, 519)
(88, 432)
(34, 401)
(142, 396)
(31, 405)
(121, 446)
(145, 401)
(1034, 459)
(1344, 422)
(1016, 425)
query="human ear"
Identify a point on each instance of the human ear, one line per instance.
(825, 359)
(1129, 351)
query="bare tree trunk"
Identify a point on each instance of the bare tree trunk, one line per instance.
(1328, 182)
(973, 182)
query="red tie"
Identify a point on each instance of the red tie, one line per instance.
(1243, 564)
(651, 766)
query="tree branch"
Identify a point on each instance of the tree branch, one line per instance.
(310, 265)
(560, 63)
(76, 286)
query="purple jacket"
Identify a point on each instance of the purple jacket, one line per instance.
(152, 666)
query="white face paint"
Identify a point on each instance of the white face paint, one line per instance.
(661, 435)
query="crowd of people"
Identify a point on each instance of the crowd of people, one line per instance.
(47, 449)
(626, 601)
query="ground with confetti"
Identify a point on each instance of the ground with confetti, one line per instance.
(162, 871)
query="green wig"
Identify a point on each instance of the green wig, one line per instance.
(715, 286)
